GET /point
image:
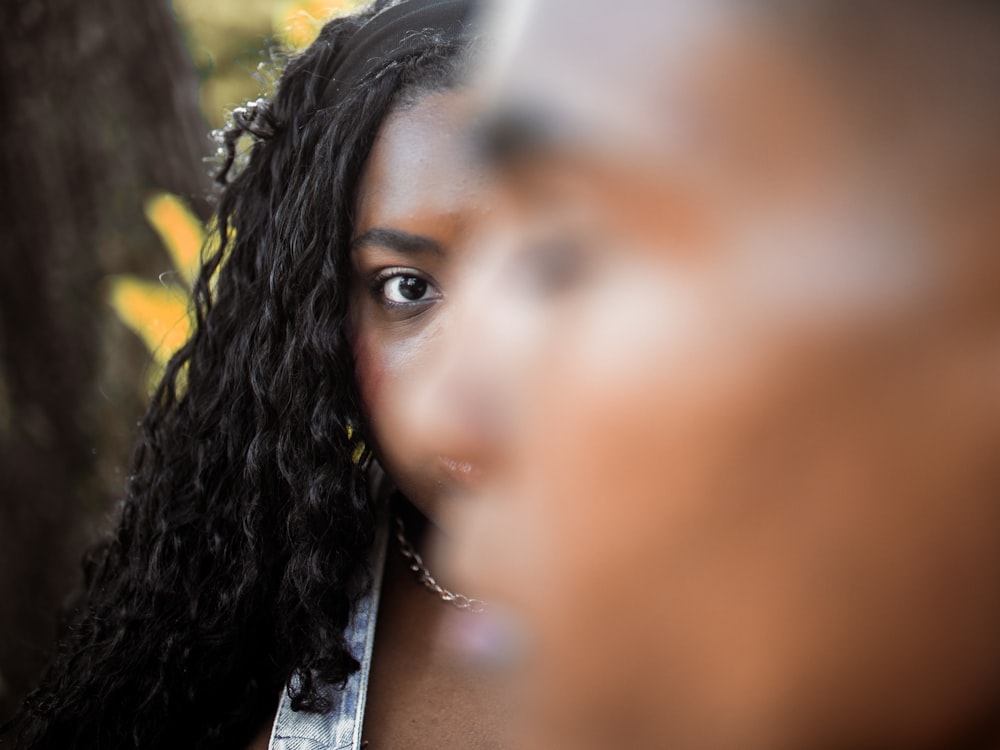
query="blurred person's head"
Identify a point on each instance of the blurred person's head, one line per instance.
(755, 501)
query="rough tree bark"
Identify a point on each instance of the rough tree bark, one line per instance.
(98, 108)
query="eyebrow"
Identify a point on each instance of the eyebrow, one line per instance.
(515, 133)
(507, 137)
(402, 242)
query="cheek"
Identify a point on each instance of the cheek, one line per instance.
(390, 371)
(386, 369)
(370, 372)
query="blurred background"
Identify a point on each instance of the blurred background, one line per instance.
(106, 112)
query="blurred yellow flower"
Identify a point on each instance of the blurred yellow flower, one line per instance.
(297, 22)
(160, 312)
(180, 230)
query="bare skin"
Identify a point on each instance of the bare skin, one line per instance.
(421, 693)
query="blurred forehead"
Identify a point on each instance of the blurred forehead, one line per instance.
(594, 70)
(606, 70)
(694, 93)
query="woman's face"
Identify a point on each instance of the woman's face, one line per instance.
(417, 263)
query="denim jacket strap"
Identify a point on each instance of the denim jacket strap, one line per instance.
(340, 727)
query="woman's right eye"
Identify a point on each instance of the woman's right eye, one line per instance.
(402, 287)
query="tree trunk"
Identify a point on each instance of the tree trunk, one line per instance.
(98, 108)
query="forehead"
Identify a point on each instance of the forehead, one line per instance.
(422, 163)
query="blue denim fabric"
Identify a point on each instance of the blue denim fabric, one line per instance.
(340, 727)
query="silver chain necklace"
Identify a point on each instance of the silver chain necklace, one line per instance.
(416, 564)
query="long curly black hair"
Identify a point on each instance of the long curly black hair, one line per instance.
(240, 545)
